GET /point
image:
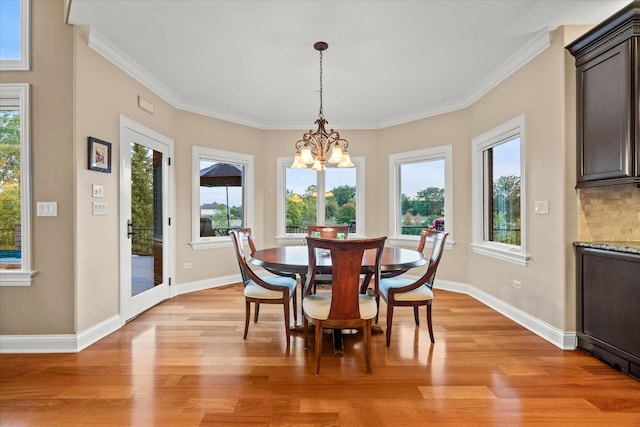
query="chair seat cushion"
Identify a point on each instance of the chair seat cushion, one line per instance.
(423, 293)
(317, 306)
(253, 290)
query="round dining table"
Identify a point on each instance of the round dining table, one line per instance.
(295, 259)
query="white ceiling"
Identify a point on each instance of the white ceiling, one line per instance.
(388, 62)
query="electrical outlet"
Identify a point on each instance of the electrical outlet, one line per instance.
(517, 284)
(187, 265)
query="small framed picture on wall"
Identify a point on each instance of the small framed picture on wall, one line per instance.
(99, 155)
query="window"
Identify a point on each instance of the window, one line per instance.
(222, 195)
(499, 226)
(420, 186)
(14, 35)
(307, 197)
(15, 196)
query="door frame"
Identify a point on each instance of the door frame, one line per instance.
(125, 125)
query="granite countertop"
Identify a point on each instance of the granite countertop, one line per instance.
(629, 246)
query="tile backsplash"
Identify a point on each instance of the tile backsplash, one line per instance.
(609, 213)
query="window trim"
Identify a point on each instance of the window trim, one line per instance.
(282, 237)
(444, 152)
(18, 95)
(510, 253)
(22, 64)
(220, 156)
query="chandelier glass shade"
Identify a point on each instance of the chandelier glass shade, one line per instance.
(314, 147)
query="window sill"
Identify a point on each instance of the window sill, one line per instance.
(293, 240)
(412, 242)
(16, 278)
(507, 253)
(211, 244)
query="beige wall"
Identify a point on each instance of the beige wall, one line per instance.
(102, 93)
(570, 33)
(98, 79)
(78, 93)
(275, 144)
(537, 90)
(196, 130)
(446, 129)
(47, 307)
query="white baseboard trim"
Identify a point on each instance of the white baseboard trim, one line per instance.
(200, 285)
(561, 339)
(73, 343)
(99, 331)
(54, 343)
(59, 343)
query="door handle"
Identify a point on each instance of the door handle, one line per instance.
(129, 229)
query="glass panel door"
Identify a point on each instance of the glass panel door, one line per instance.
(145, 205)
(146, 218)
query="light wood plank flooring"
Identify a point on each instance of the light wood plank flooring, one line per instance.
(184, 363)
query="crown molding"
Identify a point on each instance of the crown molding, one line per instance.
(111, 52)
(537, 44)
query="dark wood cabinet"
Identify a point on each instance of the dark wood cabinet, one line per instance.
(608, 307)
(608, 101)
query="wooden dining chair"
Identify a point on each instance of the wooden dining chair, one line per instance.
(344, 306)
(396, 272)
(327, 232)
(421, 243)
(401, 291)
(252, 247)
(257, 290)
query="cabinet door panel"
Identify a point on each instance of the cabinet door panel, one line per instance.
(604, 101)
(611, 300)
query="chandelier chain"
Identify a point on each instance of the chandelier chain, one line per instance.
(321, 112)
(314, 147)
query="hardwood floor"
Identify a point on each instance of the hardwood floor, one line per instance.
(184, 363)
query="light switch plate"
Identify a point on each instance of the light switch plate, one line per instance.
(97, 190)
(47, 208)
(542, 207)
(99, 208)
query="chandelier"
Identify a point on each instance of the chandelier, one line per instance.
(314, 146)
